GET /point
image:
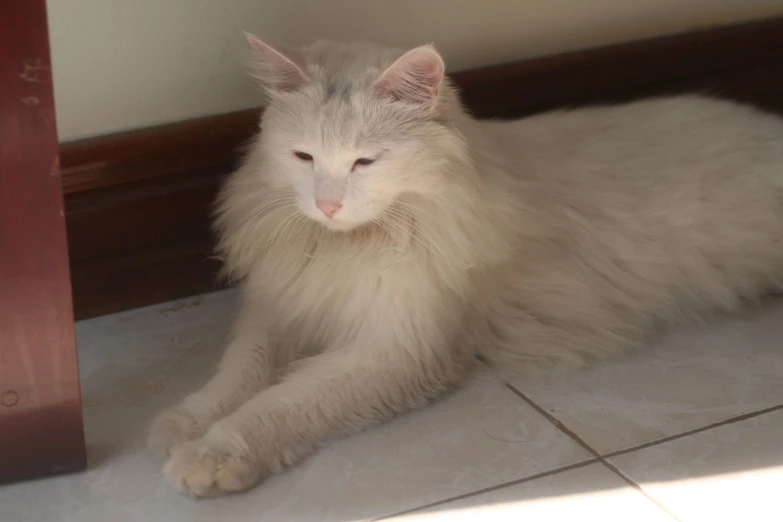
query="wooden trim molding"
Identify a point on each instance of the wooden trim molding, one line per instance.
(137, 203)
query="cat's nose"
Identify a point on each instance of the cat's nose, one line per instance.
(329, 208)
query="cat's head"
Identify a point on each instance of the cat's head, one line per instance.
(351, 128)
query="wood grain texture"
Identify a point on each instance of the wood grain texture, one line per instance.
(40, 411)
(134, 199)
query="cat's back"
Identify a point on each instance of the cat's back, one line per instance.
(653, 163)
(656, 211)
(658, 137)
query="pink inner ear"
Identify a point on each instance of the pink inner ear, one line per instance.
(284, 68)
(415, 77)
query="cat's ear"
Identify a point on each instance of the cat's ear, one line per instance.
(416, 77)
(276, 67)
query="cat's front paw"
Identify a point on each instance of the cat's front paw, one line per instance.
(172, 428)
(204, 469)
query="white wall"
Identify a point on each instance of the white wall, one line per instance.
(123, 64)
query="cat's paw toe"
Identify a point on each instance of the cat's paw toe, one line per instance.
(201, 470)
(170, 429)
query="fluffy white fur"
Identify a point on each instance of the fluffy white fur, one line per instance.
(547, 241)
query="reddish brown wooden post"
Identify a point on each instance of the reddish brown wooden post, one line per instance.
(40, 410)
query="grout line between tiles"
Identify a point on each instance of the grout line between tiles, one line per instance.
(493, 488)
(638, 488)
(600, 458)
(718, 424)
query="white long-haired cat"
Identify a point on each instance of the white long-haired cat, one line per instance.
(385, 240)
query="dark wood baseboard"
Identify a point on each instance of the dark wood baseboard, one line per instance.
(138, 203)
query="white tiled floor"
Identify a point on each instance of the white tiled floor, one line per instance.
(691, 430)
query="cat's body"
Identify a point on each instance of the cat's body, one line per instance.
(545, 241)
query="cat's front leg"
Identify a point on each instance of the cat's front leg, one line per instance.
(330, 395)
(246, 367)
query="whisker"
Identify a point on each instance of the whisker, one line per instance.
(422, 243)
(269, 215)
(424, 227)
(280, 202)
(296, 223)
(285, 231)
(282, 223)
(417, 209)
(420, 228)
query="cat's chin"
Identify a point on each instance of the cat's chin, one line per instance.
(339, 225)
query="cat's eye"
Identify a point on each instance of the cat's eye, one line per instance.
(363, 161)
(303, 155)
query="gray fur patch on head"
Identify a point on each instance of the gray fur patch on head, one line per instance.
(334, 89)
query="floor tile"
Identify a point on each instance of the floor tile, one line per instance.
(135, 363)
(589, 493)
(730, 473)
(690, 379)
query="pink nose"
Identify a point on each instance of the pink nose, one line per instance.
(329, 208)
